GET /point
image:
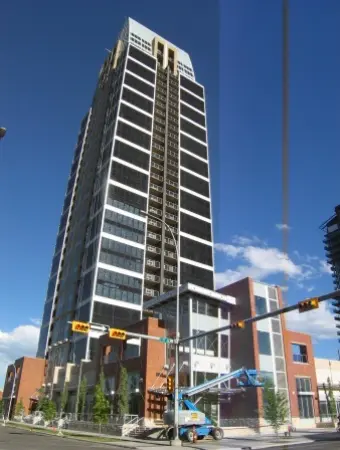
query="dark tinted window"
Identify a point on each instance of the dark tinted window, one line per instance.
(79, 350)
(194, 146)
(195, 204)
(135, 117)
(119, 287)
(131, 155)
(121, 255)
(141, 71)
(192, 101)
(193, 87)
(128, 176)
(142, 57)
(193, 115)
(224, 346)
(123, 199)
(191, 129)
(55, 263)
(139, 85)
(87, 286)
(197, 275)
(51, 286)
(196, 251)
(260, 305)
(133, 135)
(194, 164)
(264, 343)
(196, 227)
(91, 254)
(42, 342)
(114, 315)
(124, 226)
(47, 312)
(83, 313)
(137, 100)
(194, 184)
(59, 243)
(63, 221)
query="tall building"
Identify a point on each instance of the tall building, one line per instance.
(141, 147)
(331, 229)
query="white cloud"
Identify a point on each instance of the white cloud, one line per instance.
(36, 322)
(319, 323)
(283, 226)
(21, 341)
(325, 267)
(246, 240)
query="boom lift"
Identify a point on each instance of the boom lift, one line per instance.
(191, 420)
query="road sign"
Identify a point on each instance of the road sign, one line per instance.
(307, 305)
(80, 327)
(165, 340)
(115, 333)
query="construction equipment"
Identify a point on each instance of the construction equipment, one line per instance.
(194, 423)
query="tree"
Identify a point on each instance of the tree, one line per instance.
(2, 409)
(82, 396)
(41, 398)
(64, 398)
(19, 408)
(49, 409)
(275, 406)
(121, 398)
(101, 405)
(331, 400)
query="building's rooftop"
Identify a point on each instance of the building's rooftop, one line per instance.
(189, 288)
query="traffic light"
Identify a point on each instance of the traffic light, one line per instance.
(80, 327)
(114, 333)
(170, 383)
(307, 305)
(238, 325)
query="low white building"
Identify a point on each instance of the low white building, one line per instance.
(327, 374)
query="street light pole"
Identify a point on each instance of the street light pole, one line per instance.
(12, 392)
(176, 441)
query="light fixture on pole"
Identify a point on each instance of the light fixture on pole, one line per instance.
(176, 441)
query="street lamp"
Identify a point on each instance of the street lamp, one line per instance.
(176, 441)
(2, 132)
(82, 361)
(12, 391)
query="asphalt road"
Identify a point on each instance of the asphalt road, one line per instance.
(17, 439)
(322, 441)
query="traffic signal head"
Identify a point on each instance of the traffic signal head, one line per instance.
(238, 325)
(80, 327)
(115, 333)
(307, 305)
(170, 384)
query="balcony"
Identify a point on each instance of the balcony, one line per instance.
(170, 255)
(172, 174)
(156, 211)
(152, 223)
(156, 188)
(151, 292)
(172, 153)
(171, 205)
(156, 177)
(152, 249)
(157, 147)
(169, 241)
(172, 163)
(156, 166)
(169, 268)
(152, 263)
(171, 217)
(158, 156)
(171, 194)
(154, 236)
(172, 184)
(152, 278)
(155, 199)
(170, 283)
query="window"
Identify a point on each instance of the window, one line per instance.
(196, 227)
(119, 287)
(276, 327)
(124, 226)
(278, 347)
(303, 385)
(194, 184)
(260, 305)
(121, 255)
(279, 364)
(135, 117)
(126, 200)
(206, 345)
(196, 251)
(194, 164)
(133, 135)
(192, 114)
(273, 306)
(55, 263)
(131, 351)
(139, 85)
(299, 353)
(192, 101)
(83, 313)
(193, 146)
(114, 316)
(51, 287)
(264, 343)
(204, 308)
(87, 286)
(272, 292)
(193, 130)
(141, 71)
(195, 205)
(197, 275)
(142, 57)
(306, 410)
(130, 177)
(193, 87)
(47, 312)
(137, 100)
(91, 254)
(224, 346)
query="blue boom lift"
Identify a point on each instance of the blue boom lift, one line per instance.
(191, 420)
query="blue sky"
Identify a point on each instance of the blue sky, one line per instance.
(51, 54)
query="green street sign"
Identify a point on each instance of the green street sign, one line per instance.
(165, 340)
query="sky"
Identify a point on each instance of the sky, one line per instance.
(51, 53)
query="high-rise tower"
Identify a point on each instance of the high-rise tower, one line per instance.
(142, 147)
